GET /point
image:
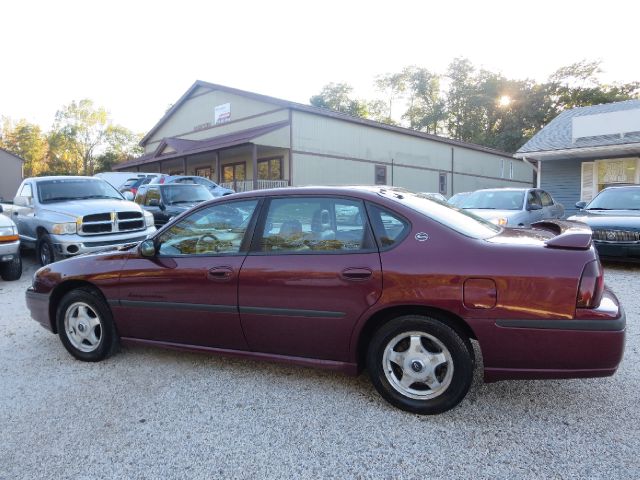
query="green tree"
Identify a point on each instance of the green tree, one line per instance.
(337, 97)
(26, 140)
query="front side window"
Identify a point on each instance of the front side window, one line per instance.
(215, 230)
(533, 199)
(152, 198)
(315, 225)
(26, 191)
(547, 201)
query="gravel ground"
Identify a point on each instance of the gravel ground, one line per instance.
(151, 413)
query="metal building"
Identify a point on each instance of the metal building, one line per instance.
(11, 174)
(247, 141)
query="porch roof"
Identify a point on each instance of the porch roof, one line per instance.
(183, 147)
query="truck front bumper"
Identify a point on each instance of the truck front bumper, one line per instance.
(69, 245)
(9, 250)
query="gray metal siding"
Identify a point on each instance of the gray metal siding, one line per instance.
(561, 178)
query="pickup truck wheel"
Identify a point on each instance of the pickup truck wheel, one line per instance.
(85, 325)
(44, 248)
(420, 364)
(11, 270)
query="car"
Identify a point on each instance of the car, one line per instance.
(512, 207)
(130, 188)
(118, 180)
(402, 288)
(215, 189)
(434, 196)
(167, 201)
(458, 198)
(614, 217)
(10, 259)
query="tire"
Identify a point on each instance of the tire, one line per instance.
(12, 270)
(85, 325)
(438, 372)
(45, 251)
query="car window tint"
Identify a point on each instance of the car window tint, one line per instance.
(315, 225)
(215, 230)
(388, 227)
(547, 201)
(533, 198)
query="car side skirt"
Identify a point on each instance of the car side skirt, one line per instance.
(497, 374)
(344, 367)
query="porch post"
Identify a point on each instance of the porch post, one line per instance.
(254, 164)
(184, 166)
(217, 166)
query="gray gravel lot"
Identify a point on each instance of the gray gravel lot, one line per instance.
(151, 413)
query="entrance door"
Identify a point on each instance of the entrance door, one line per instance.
(312, 272)
(188, 292)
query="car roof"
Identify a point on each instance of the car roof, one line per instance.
(362, 191)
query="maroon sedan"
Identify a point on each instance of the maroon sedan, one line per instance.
(344, 278)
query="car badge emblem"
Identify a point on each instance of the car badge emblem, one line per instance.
(611, 235)
(422, 237)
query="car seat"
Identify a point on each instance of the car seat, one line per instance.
(321, 226)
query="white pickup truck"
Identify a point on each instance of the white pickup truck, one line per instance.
(65, 216)
(10, 261)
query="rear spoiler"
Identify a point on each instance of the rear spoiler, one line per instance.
(571, 235)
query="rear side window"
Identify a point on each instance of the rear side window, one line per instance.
(389, 228)
(315, 225)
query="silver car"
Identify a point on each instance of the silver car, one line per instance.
(513, 207)
(10, 261)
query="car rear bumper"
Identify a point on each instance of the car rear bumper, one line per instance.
(591, 345)
(38, 305)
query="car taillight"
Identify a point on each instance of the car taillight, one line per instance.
(161, 180)
(134, 190)
(591, 285)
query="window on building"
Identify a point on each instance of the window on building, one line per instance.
(270, 168)
(442, 183)
(204, 172)
(234, 172)
(501, 168)
(380, 174)
(511, 169)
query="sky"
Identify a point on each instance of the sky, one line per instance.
(136, 58)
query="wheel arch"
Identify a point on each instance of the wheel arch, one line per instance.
(61, 290)
(383, 316)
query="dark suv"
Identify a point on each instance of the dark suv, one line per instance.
(168, 201)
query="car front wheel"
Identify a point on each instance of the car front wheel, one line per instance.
(85, 325)
(420, 364)
(12, 270)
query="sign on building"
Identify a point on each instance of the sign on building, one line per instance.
(222, 113)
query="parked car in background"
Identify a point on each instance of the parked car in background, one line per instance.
(10, 260)
(132, 187)
(274, 274)
(65, 216)
(215, 189)
(119, 179)
(457, 199)
(512, 207)
(169, 200)
(614, 217)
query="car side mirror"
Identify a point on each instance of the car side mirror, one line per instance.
(581, 205)
(148, 248)
(128, 195)
(534, 206)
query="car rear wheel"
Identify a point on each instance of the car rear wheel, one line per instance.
(420, 364)
(11, 270)
(85, 325)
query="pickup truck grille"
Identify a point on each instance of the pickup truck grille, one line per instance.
(618, 236)
(101, 223)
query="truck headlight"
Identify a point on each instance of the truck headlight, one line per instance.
(8, 234)
(64, 228)
(148, 219)
(499, 221)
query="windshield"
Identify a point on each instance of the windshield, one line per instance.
(494, 200)
(64, 189)
(616, 199)
(461, 221)
(176, 194)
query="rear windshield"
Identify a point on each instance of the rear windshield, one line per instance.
(494, 200)
(176, 194)
(459, 220)
(616, 199)
(60, 190)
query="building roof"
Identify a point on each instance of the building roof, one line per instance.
(559, 134)
(12, 154)
(316, 111)
(182, 147)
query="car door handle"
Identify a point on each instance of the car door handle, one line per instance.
(357, 273)
(220, 273)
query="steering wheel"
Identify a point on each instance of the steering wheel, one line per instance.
(207, 238)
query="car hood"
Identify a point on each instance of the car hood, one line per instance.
(609, 218)
(488, 213)
(79, 208)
